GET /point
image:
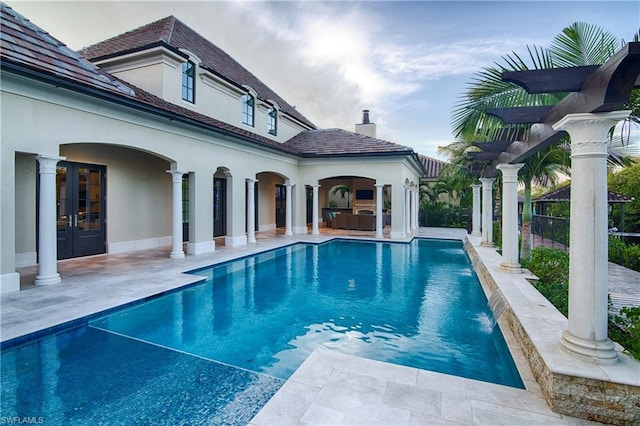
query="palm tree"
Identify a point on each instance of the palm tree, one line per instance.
(577, 45)
(344, 191)
(541, 168)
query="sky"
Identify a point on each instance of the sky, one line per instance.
(409, 63)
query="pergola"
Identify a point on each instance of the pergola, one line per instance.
(586, 114)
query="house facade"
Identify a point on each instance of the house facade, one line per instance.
(157, 137)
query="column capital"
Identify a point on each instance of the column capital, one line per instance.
(476, 186)
(509, 171)
(379, 185)
(605, 119)
(487, 182)
(176, 175)
(48, 163)
(589, 131)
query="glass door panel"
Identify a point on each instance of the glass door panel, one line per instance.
(81, 209)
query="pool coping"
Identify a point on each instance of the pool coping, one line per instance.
(608, 393)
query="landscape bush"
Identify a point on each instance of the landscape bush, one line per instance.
(627, 255)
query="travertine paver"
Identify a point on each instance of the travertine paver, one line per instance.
(334, 388)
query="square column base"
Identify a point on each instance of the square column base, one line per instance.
(9, 282)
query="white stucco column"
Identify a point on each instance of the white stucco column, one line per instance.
(47, 238)
(414, 209)
(176, 215)
(379, 203)
(475, 230)
(251, 211)
(586, 336)
(288, 213)
(407, 211)
(487, 211)
(417, 212)
(510, 259)
(315, 208)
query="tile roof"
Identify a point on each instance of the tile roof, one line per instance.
(27, 49)
(431, 166)
(172, 33)
(318, 143)
(24, 43)
(564, 194)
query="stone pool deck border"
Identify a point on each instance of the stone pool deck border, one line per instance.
(598, 392)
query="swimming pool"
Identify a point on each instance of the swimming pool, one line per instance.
(222, 348)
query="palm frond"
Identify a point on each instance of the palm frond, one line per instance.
(582, 44)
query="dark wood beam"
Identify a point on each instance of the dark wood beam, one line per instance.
(553, 80)
(606, 89)
(520, 115)
(495, 146)
(479, 155)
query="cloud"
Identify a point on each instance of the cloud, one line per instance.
(338, 58)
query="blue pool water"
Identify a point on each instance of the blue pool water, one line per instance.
(217, 351)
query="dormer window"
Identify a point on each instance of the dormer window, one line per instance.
(272, 122)
(248, 103)
(188, 82)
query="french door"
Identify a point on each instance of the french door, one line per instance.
(219, 207)
(281, 206)
(80, 197)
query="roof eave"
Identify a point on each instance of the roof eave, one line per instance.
(20, 69)
(159, 43)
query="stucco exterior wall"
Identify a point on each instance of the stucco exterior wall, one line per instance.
(159, 71)
(137, 149)
(26, 170)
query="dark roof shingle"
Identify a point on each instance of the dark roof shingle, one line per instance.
(431, 166)
(171, 32)
(564, 194)
(24, 43)
(318, 143)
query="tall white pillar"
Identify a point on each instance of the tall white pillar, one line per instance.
(288, 212)
(417, 212)
(379, 203)
(586, 336)
(176, 215)
(487, 211)
(316, 209)
(47, 238)
(510, 258)
(407, 211)
(251, 211)
(414, 209)
(475, 230)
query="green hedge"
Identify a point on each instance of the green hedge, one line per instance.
(627, 255)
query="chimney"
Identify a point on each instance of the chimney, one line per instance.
(365, 116)
(366, 128)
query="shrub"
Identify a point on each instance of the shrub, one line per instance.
(625, 329)
(627, 255)
(550, 265)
